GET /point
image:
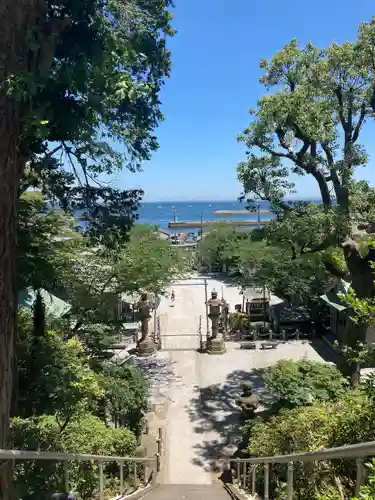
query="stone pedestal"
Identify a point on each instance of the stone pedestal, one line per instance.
(216, 345)
(146, 348)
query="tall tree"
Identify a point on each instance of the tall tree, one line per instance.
(309, 123)
(83, 76)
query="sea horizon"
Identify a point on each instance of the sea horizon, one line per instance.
(160, 213)
(234, 200)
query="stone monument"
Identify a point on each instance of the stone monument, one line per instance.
(215, 343)
(248, 402)
(146, 346)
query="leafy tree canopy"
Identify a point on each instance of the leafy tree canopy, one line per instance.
(213, 244)
(309, 123)
(47, 241)
(144, 263)
(88, 100)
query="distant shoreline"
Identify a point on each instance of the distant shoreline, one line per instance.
(217, 202)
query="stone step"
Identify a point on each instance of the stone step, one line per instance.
(188, 492)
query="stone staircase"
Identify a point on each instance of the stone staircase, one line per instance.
(188, 492)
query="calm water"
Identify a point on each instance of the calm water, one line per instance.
(161, 213)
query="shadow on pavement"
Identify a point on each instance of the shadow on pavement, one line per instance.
(325, 352)
(213, 410)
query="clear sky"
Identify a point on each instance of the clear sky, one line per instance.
(214, 81)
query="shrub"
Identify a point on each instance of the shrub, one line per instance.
(237, 321)
(58, 380)
(348, 420)
(36, 479)
(304, 382)
(126, 392)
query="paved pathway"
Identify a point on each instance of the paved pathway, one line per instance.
(201, 419)
(188, 492)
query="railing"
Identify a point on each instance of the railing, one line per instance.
(201, 346)
(247, 470)
(157, 334)
(150, 466)
(283, 336)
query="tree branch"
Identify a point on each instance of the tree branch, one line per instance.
(281, 136)
(360, 123)
(272, 152)
(292, 246)
(336, 271)
(338, 93)
(330, 240)
(349, 130)
(51, 153)
(303, 150)
(372, 101)
(334, 177)
(298, 133)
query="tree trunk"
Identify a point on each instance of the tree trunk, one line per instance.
(362, 279)
(10, 172)
(9, 182)
(16, 19)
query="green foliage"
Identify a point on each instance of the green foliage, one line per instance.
(304, 382)
(126, 392)
(97, 340)
(57, 380)
(212, 246)
(272, 258)
(97, 277)
(309, 123)
(92, 86)
(237, 321)
(64, 405)
(46, 243)
(87, 434)
(149, 263)
(362, 309)
(368, 492)
(347, 420)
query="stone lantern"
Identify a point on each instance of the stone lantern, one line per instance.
(146, 346)
(215, 344)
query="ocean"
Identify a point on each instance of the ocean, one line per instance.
(161, 213)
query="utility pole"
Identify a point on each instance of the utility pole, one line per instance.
(264, 306)
(155, 316)
(206, 299)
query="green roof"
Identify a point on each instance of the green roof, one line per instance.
(54, 306)
(332, 299)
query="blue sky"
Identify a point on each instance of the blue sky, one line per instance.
(214, 81)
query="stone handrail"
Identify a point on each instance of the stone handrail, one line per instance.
(246, 468)
(150, 465)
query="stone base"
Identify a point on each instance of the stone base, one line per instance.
(216, 346)
(146, 348)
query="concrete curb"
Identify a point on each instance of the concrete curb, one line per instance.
(235, 493)
(137, 494)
